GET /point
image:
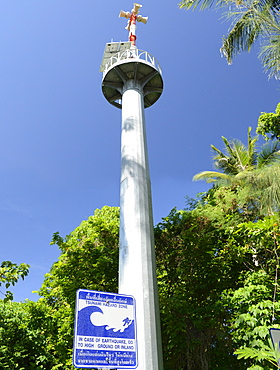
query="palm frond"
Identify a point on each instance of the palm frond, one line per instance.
(270, 56)
(221, 161)
(228, 145)
(211, 176)
(273, 4)
(251, 145)
(269, 154)
(204, 4)
(256, 173)
(246, 28)
(237, 158)
(230, 166)
(251, 19)
(217, 151)
(265, 183)
(245, 176)
(241, 155)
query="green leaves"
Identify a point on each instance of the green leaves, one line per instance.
(89, 259)
(10, 273)
(250, 20)
(269, 123)
(253, 312)
(217, 281)
(253, 174)
(247, 27)
(24, 336)
(236, 159)
(267, 354)
(194, 268)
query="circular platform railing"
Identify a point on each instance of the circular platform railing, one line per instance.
(132, 55)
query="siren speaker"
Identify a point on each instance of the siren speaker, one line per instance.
(124, 14)
(142, 19)
(136, 8)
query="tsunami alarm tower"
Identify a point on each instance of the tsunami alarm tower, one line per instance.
(132, 81)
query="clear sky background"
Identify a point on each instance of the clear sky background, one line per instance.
(60, 138)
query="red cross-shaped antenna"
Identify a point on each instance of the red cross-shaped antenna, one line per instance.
(131, 24)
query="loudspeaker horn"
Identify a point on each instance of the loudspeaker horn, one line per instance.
(142, 19)
(124, 14)
(136, 8)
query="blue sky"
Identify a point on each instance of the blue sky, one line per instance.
(60, 138)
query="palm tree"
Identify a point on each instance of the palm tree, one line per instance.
(246, 167)
(251, 20)
(264, 183)
(236, 159)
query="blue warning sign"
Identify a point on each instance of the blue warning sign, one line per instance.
(105, 331)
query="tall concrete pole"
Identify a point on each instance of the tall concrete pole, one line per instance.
(132, 81)
(137, 257)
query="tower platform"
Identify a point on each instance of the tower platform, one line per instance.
(130, 64)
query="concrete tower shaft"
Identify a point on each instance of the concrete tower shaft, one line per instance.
(132, 81)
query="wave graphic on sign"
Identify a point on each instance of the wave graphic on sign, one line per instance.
(94, 321)
(115, 321)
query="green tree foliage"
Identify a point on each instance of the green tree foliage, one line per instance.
(267, 353)
(92, 246)
(250, 20)
(29, 336)
(219, 289)
(255, 306)
(10, 273)
(88, 260)
(217, 273)
(204, 260)
(194, 268)
(245, 187)
(239, 159)
(254, 173)
(269, 124)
